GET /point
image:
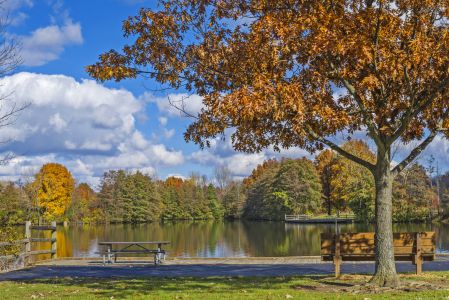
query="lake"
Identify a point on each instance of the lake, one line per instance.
(222, 239)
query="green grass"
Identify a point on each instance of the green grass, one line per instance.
(298, 287)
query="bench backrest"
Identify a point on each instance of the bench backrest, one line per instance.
(362, 244)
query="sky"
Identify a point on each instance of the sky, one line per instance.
(93, 127)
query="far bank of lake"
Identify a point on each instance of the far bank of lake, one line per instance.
(222, 238)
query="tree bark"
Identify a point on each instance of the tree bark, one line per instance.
(385, 274)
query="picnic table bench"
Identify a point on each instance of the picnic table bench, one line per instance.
(126, 248)
(408, 246)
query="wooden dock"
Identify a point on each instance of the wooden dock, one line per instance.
(305, 219)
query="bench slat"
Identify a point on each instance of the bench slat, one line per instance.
(364, 257)
(360, 246)
(133, 251)
(396, 242)
(370, 235)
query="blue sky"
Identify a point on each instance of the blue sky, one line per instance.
(92, 127)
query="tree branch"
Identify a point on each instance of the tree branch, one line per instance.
(341, 151)
(418, 150)
(414, 110)
(414, 154)
(372, 129)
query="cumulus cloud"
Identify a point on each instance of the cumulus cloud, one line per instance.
(47, 43)
(176, 104)
(82, 124)
(10, 11)
(168, 133)
(18, 19)
(221, 153)
(12, 5)
(57, 122)
(163, 121)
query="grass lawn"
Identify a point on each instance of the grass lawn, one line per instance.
(432, 285)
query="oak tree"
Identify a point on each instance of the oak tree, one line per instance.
(293, 73)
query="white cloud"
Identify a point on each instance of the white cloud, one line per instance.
(12, 5)
(176, 175)
(69, 145)
(18, 19)
(82, 124)
(221, 153)
(168, 133)
(163, 121)
(57, 122)
(47, 43)
(150, 171)
(240, 164)
(176, 104)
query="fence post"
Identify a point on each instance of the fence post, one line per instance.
(28, 242)
(53, 241)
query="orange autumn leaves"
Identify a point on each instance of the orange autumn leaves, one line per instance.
(271, 74)
(54, 185)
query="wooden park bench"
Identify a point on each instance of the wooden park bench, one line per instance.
(409, 246)
(123, 248)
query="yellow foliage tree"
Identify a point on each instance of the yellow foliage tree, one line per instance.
(55, 186)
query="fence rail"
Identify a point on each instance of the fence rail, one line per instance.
(43, 227)
(326, 219)
(28, 240)
(296, 217)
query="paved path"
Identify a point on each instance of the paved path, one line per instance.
(204, 270)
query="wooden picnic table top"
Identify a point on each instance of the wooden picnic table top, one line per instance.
(134, 243)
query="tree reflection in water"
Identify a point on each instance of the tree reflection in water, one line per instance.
(222, 238)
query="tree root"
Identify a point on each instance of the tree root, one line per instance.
(385, 280)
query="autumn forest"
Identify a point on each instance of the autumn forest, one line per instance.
(329, 185)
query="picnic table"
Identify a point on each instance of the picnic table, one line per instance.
(125, 248)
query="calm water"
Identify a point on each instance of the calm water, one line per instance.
(221, 239)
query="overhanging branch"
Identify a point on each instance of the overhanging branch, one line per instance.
(415, 109)
(418, 150)
(372, 128)
(414, 153)
(341, 151)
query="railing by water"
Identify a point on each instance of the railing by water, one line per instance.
(346, 218)
(27, 251)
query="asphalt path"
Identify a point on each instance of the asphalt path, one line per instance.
(204, 270)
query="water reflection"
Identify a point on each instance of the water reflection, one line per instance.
(222, 239)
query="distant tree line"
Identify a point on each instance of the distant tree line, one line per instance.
(329, 185)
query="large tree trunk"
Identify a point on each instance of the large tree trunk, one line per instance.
(385, 274)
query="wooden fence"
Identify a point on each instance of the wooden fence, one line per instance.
(27, 251)
(325, 219)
